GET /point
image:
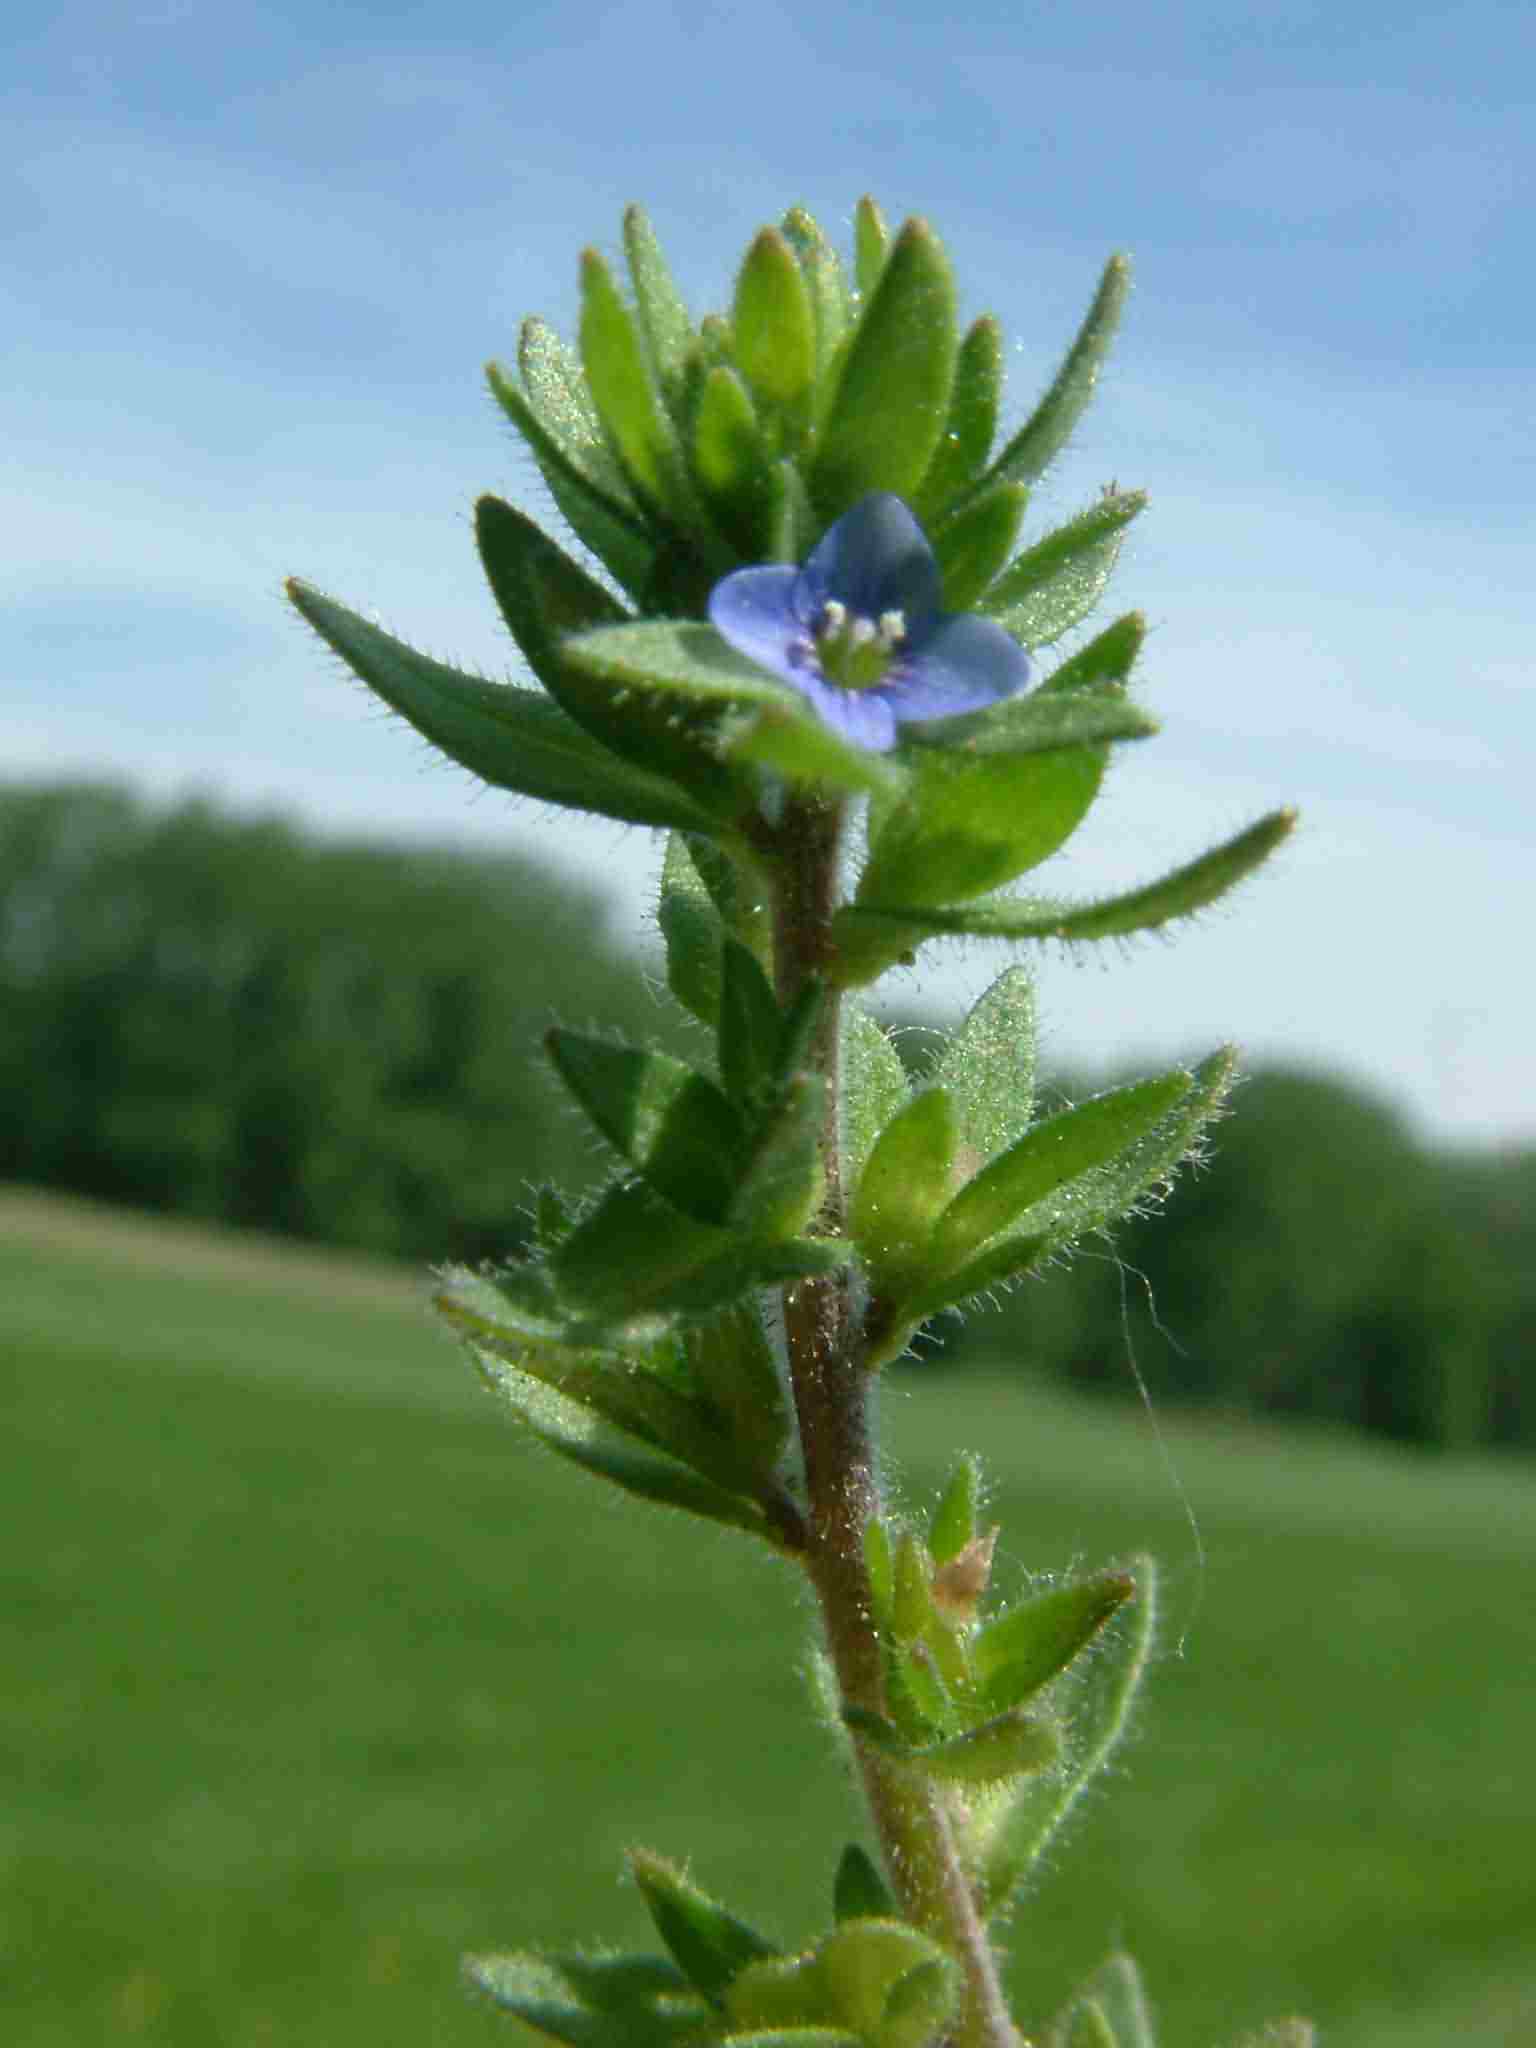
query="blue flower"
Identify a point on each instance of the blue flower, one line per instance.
(859, 631)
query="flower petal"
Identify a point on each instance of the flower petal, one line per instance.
(754, 610)
(876, 559)
(962, 664)
(865, 718)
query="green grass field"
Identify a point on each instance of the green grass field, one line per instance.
(315, 1676)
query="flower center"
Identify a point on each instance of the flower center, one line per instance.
(855, 652)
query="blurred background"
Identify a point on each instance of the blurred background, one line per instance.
(266, 965)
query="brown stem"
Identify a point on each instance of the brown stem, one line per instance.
(831, 1389)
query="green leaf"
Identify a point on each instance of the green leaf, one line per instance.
(1051, 1153)
(1001, 1748)
(788, 738)
(874, 1087)
(751, 1026)
(574, 1431)
(988, 1067)
(912, 1612)
(656, 1480)
(792, 527)
(541, 593)
(953, 1525)
(871, 239)
(630, 559)
(692, 931)
(1054, 585)
(514, 739)
(781, 1180)
(592, 2001)
(722, 878)
(634, 1262)
(1041, 722)
(822, 269)
(686, 664)
(1182, 893)
(774, 324)
(919, 2004)
(622, 1393)
(880, 1562)
(675, 1128)
(1186, 890)
(863, 1962)
(711, 1945)
(973, 546)
(1104, 1194)
(891, 399)
(902, 1190)
(997, 1266)
(1095, 1199)
(1005, 1841)
(732, 1363)
(1019, 1652)
(914, 1682)
(554, 391)
(584, 480)
(665, 326)
(782, 1997)
(973, 408)
(625, 394)
(731, 460)
(627, 1257)
(1046, 432)
(859, 1891)
(1107, 658)
(972, 822)
(545, 597)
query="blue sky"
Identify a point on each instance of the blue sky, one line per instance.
(258, 256)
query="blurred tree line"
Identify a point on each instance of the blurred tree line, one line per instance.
(229, 1018)
(232, 1019)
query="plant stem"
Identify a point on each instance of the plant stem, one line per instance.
(832, 1390)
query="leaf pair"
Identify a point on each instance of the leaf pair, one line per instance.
(738, 1155)
(957, 1694)
(936, 1220)
(697, 1420)
(1004, 1839)
(873, 1982)
(634, 1264)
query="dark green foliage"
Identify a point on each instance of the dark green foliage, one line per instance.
(228, 1018)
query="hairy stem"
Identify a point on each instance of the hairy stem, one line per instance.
(832, 1390)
